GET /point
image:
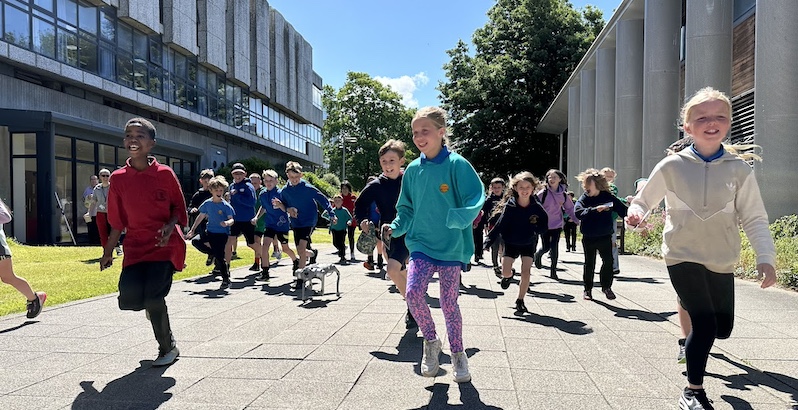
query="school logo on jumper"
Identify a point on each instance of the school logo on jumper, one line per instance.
(220, 212)
(731, 186)
(444, 188)
(533, 219)
(160, 195)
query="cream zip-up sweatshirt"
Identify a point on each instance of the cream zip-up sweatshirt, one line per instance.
(705, 203)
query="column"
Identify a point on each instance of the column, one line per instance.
(776, 101)
(572, 168)
(605, 108)
(628, 104)
(708, 45)
(587, 119)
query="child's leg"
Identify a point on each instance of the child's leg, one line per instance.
(494, 253)
(478, 239)
(203, 246)
(526, 267)
(614, 244)
(604, 247)
(449, 278)
(507, 266)
(218, 248)
(554, 248)
(350, 233)
(419, 273)
(339, 241)
(276, 241)
(589, 269)
(684, 320)
(232, 241)
(157, 284)
(20, 284)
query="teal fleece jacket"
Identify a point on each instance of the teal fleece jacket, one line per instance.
(438, 202)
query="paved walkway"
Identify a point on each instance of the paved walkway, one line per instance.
(256, 346)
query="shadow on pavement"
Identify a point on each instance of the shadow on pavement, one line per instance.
(91, 261)
(142, 389)
(559, 297)
(20, 326)
(634, 313)
(479, 292)
(653, 281)
(469, 398)
(755, 377)
(407, 351)
(573, 327)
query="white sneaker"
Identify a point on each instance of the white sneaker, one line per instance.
(460, 367)
(118, 250)
(167, 358)
(429, 359)
(277, 255)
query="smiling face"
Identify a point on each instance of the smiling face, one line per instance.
(218, 192)
(294, 177)
(255, 180)
(590, 187)
(238, 175)
(269, 182)
(524, 189)
(708, 123)
(496, 189)
(138, 142)
(553, 180)
(391, 164)
(428, 138)
(338, 202)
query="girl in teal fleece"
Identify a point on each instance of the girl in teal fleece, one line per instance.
(441, 196)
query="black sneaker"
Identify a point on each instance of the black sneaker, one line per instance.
(587, 295)
(296, 264)
(225, 284)
(538, 261)
(695, 400)
(264, 275)
(35, 305)
(554, 274)
(216, 272)
(209, 261)
(343, 261)
(313, 258)
(255, 267)
(520, 307)
(298, 284)
(616, 272)
(497, 271)
(609, 293)
(410, 321)
(506, 282)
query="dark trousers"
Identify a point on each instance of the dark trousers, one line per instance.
(339, 241)
(709, 299)
(214, 244)
(602, 245)
(550, 241)
(350, 233)
(570, 235)
(478, 239)
(494, 251)
(94, 234)
(144, 286)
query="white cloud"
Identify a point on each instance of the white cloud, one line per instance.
(405, 86)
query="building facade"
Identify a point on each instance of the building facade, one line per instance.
(620, 107)
(220, 79)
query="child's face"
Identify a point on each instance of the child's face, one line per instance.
(709, 123)
(391, 164)
(294, 177)
(524, 189)
(238, 176)
(590, 187)
(255, 180)
(137, 141)
(218, 192)
(345, 190)
(609, 176)
(204, 182)
(338, 202)
(269, 182)
(553, 179)
(427, 138)
(496, 188)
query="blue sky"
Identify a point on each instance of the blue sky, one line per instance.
(400, 43)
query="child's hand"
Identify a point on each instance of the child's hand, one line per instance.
(769, 272)
(277, 204)
(164, 234)
(633, 218)
(254, 221)
(386, 230)
(334, 220)
(106, 261)
(602, 208)
(292, 212)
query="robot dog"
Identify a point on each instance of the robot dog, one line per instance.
(316, 271)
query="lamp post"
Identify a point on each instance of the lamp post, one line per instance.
(344, 140)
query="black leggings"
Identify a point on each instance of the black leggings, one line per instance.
(350, 233)
(478, 239)
(602, 245)
(709, 299)
(551, 242)
(570, 234)
(216, 245)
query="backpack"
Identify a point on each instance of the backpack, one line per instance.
(367, 241)
(546, 192)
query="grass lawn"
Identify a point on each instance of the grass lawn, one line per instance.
(69, 273)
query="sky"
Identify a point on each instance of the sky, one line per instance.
(400, 43)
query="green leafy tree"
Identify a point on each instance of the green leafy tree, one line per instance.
(362, 115)
(497, 95)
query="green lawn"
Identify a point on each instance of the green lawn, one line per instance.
(69, 273)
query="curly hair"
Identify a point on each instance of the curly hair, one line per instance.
(592, 174)
(512, 192)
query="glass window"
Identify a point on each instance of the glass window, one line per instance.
(202, 103)
(140, 46)
(140, 76)
(106, 64)
(168, 87)
(88, 18)
(63, 147)
(68, 11)
(17, 26)
(43, 38)
(180, 93)
(202, 77)
(107, 154)
(124, 67)
(107, 26)
(156, 54)
(192, 71)
(125, 34)
(180, 66)
(84, 150)
(67, 47)
(45, 4)
(211, 82)
(155, 82)
(88, 52)
(63, 185)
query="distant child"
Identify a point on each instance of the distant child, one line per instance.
(709, 192)
(219, 214)
(242, 198)
(146, 199)
(349, 203)
(556, 202)
(256, 181)
(274, 219)
(441, 196)
(196, 200)
(569, 228)
(610, 175)
(383, 192)
(521, 219)
(339, 228)
(594, 210)
(495, 195)
(35, 299)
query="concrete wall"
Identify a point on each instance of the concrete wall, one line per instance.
(142, 14)
(212, 40)
(238, 42)
(180, 25)
(260, 48)
(279, 59)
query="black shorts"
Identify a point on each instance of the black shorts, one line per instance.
(243, 228)
(398, 250)
(302, 234)
(282, 237)
(514, 251)
(144, 282)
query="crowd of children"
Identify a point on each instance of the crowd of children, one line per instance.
(431, 218)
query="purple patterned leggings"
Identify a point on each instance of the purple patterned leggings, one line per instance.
(419, 273)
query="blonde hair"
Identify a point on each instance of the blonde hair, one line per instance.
(592, 174)
(293, 166)
(438, 117)
(512, 192)
(393, 145)
(218, 182)
(271, 173)
(206, 173)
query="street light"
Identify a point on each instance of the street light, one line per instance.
(344, 140)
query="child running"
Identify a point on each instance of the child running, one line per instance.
(349, 203)
(569, 228)
(219, 214)
(274, 219)
(441, 196)
(495, 195)
(594, 210)
(521, 220)
(35, 299)
(146, 199)
(384, 192)
(709, 192)
(555, 201)
(339, 228)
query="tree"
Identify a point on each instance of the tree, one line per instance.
(362, 115)
(497, 96)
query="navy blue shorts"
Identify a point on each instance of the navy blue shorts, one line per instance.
(398, 250)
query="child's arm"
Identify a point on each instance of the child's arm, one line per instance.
(754, 219)
(261, 211)
(197, 221)
(5, 214)
(568, 206)
(649, 197)
(404, 208)
(619, 206)
(470, 190)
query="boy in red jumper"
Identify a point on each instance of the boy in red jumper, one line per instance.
(146, 199)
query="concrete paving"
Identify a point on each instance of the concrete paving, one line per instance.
(256, 346)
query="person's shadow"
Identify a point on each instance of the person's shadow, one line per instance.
(635, 313)
(143, 389)
(754, 377)
(469, 396)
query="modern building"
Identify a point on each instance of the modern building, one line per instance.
(620, 107)
(220, 79)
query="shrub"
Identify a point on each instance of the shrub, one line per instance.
(332, 179)
(325, 188)
(252, 164)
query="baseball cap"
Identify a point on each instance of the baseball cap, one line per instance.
(238, 167)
